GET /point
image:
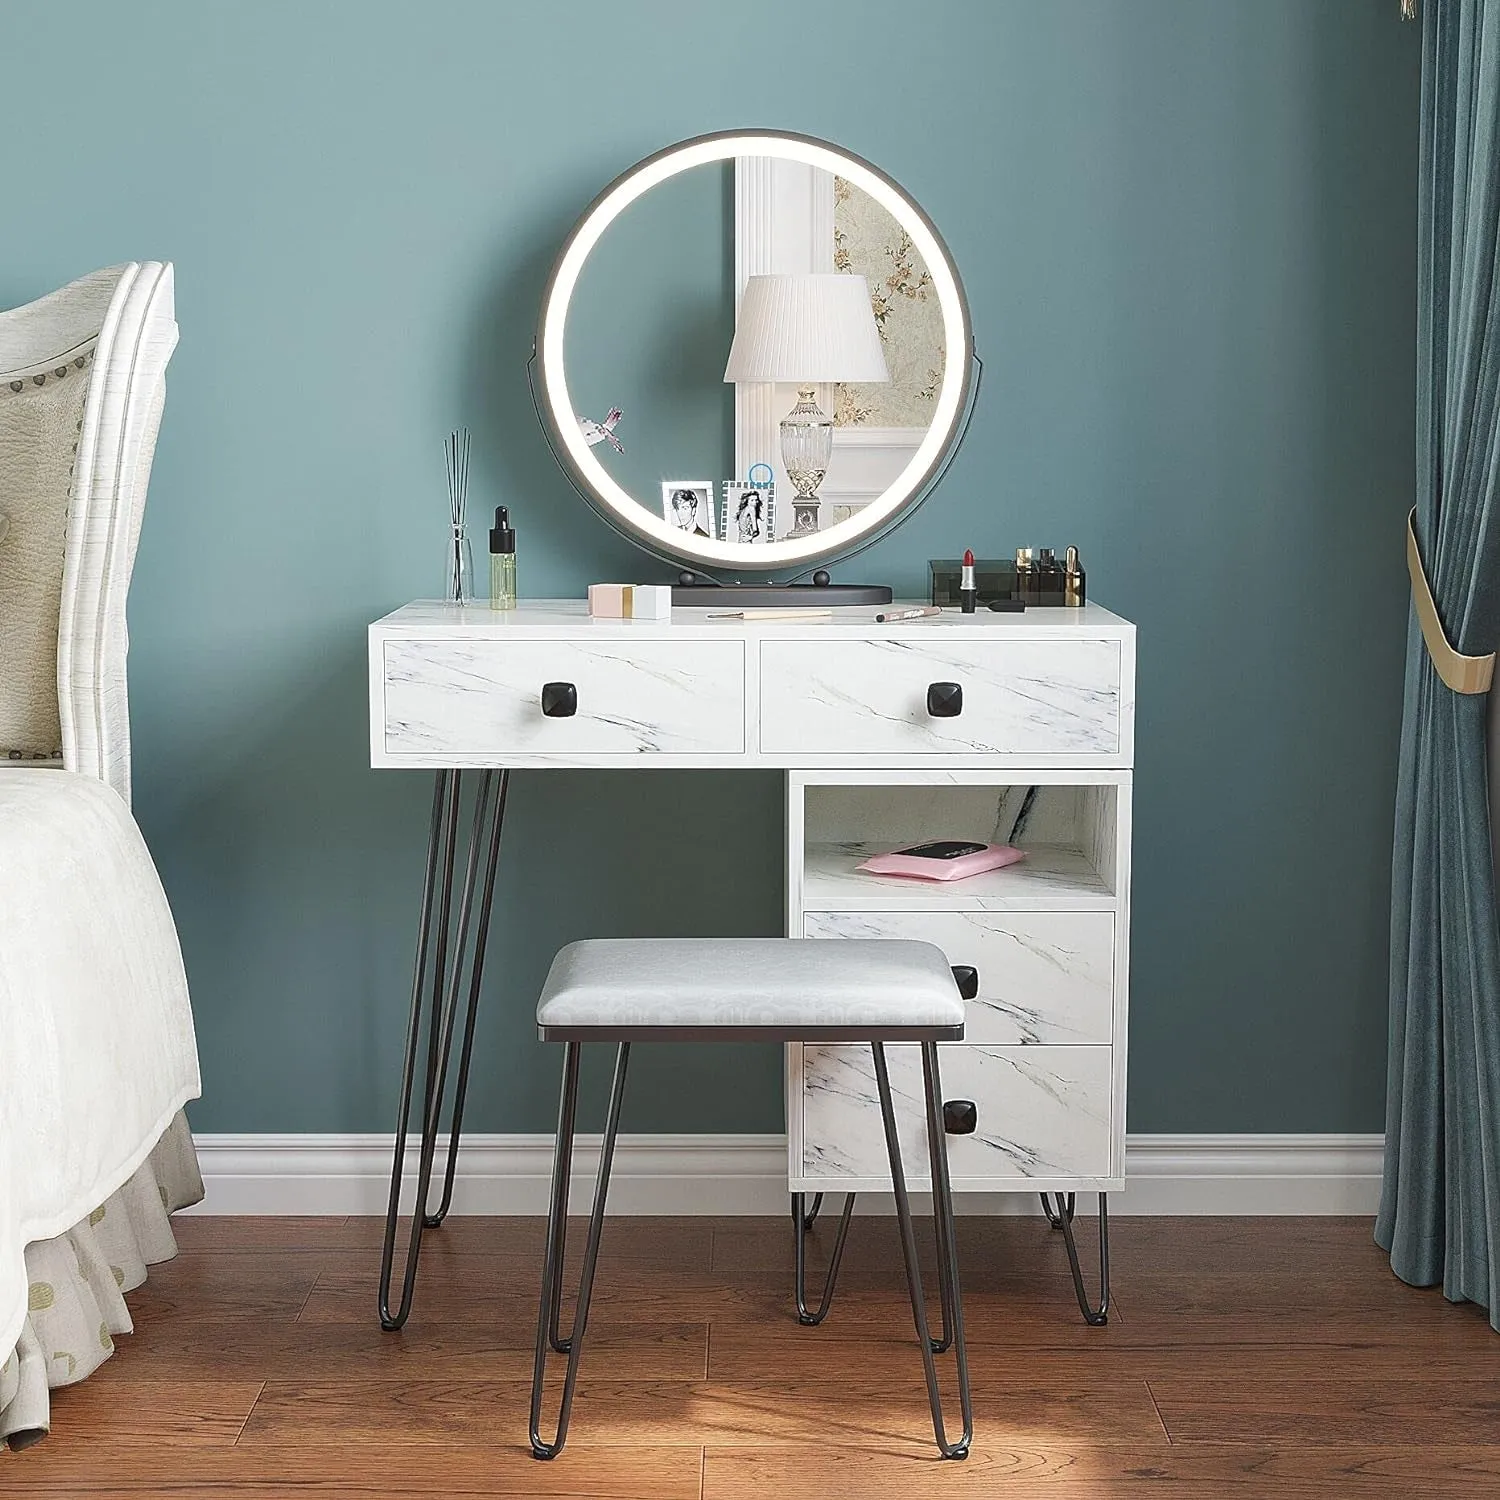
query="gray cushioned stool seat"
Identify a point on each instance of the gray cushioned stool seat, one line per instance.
(789, 989)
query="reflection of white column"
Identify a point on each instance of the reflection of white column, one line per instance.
(783, 225)
(755, 416)
(819, 251)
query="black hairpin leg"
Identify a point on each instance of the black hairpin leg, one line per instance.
(557, 1209)
(801, 1224)
(1062, 1218)
(942, 1208)
(552, 1268)
(947, 1242)
(1056, 1216)
(476, 977)
(443, 936)
(946, 1249)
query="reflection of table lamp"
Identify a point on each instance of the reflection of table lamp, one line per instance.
(806, 330)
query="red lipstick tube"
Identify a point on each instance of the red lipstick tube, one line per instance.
(968, 594)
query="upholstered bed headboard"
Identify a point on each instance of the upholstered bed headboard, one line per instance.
(82, 384)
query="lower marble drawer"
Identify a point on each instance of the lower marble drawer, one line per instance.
(1045, 977)
(1044, 1114)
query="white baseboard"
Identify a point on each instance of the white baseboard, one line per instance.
(746, 1174)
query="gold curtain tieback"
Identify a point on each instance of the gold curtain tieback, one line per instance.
(1463, 674)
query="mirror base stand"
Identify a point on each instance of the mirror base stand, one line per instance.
(693, 591)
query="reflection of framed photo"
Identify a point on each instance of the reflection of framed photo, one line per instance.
(688, 504)
(749, 512)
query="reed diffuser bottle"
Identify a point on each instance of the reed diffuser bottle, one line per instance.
(502, 562)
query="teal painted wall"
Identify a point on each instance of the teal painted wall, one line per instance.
(1187, 234)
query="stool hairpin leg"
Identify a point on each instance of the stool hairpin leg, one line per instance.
(557, 1208)
(942, 1227)
(553, 1265)
(801, 1223)
(446, 980)
(942, 1205)
(1063, 1219)
(947, 1240)
(811, 1216)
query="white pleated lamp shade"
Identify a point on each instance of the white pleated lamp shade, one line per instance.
(806, 330)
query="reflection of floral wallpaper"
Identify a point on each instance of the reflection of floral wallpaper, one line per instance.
(870, 243)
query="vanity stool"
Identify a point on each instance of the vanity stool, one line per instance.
(873, 990)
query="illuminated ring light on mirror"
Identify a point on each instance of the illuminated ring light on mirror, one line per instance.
(632, 516)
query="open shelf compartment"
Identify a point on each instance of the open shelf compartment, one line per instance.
(1070, 827)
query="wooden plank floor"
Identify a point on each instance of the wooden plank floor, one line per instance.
(1246, 1357)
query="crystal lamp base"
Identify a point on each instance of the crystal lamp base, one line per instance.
(806, 448)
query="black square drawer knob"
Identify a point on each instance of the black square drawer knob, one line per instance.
(966, 976)
(959, 1116)
(559, 700)
(945, 700)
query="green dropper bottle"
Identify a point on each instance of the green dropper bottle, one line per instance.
(502, 562)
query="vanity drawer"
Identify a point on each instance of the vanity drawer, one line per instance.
(1046, 978)
(870, 697)
(1043, 1112)
(484, 697)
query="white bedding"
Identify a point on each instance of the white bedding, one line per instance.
(97, 1052)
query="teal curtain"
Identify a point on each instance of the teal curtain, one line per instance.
(1440, 1204)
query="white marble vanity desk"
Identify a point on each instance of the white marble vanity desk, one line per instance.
(1044, 735)
(458, 686)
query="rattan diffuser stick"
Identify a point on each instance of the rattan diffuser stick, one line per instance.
(461, 561)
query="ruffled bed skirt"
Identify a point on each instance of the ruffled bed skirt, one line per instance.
(75, 1284)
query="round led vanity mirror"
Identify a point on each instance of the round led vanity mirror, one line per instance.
(754, 354)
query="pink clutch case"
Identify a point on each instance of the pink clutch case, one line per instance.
(944, 859)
